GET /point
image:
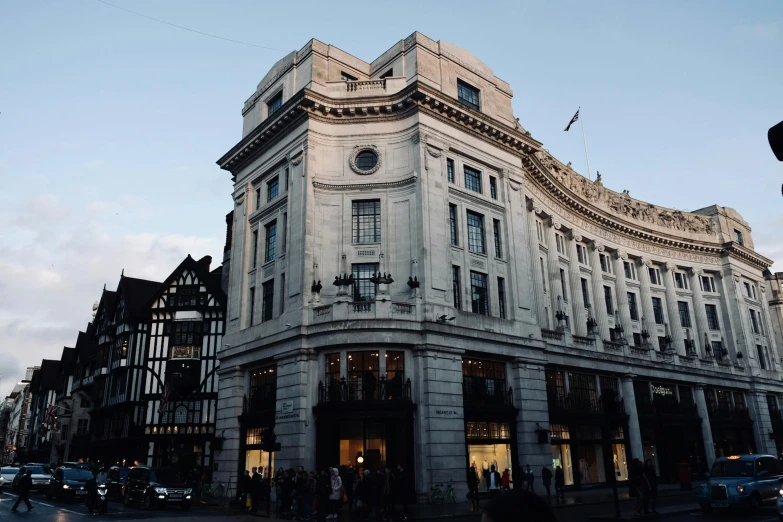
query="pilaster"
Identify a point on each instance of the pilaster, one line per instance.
(675, 326)
(597, 280)
(622, 293)
(699, 310)
(634, 432)
(648, 315)
(540, 290)
(295, 430)
(529, 382)
(762, 424)
(579, 314)
(706, 429)
(231, 389)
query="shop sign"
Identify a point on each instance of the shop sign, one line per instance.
(446, 412)
(662, 390)
(287, 407)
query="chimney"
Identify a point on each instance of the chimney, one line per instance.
(229, 230)
(204, 262)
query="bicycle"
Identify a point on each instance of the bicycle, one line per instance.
(438, 496)
(213, 491)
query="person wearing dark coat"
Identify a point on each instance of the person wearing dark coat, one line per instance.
(255, 489)
(25, 485)
(546, 479)
(559, 484)
(368, 494)
(652, 481)
(401, 482)
(473, 492)
(245, 489)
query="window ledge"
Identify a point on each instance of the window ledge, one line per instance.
(377, 243)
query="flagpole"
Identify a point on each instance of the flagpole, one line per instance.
(584, 140)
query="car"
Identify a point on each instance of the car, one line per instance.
(79, 465)
(69, 484)
(42, 474)
(3, 480)
(741, 481)
(8, 473)
(116, 480)
(156, 487)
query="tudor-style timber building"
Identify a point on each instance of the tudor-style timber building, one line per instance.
(416, 280)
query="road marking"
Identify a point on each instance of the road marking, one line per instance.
(49, 505)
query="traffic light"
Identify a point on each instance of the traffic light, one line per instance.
(268, 440)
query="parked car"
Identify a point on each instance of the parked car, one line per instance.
(79, 465)
(42, 474)
(3, 480)
(69, 484)
(156, 486)
(116, 481)
(741, 481)
(8, 473)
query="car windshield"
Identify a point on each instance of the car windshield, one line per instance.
(39, 470)
(165, 476)
(733, 468)
(77, 474)
(6, 471)
(123, 473)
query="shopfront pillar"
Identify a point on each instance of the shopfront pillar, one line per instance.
(762, 424)
(634, 432)
(231, 389)
(706, 429)
(529, 383)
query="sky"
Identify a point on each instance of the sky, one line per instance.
(111, 123)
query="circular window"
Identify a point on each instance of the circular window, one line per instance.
(366, 160)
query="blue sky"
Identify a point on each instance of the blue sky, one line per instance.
(110, 124)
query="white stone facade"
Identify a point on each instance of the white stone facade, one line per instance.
(540, 237)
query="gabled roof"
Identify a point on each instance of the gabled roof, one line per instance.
(49, 375)
(35, 380)
(136, 293)
(67, 361)
(210, 279)
(85, 346)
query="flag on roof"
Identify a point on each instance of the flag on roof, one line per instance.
(573, 120)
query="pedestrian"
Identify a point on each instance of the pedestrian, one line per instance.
(310, 490)
(559, 484)
(322, 503)
(386, 499)
(24, 491)
(530, 477)
(348, 476)
(368, 494)
(299, 491)
(336, 493)
(652, 481)
(473, 493)
(255, 489)
(505, 480)
(639, 485)
(246, 488)
(400, 489)
(513, 506)
(494, 481)
(546, 479)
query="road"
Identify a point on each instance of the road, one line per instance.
(768, 514)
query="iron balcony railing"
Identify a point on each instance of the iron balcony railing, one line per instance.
(607, 403)
(483, 391)
(364, 390)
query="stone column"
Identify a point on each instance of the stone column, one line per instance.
(762, 424)
(540, 290)
(579, 314)
(699, 311)
(440, 420)
(646, 301)
(634, 432)
(555, 287)
(675, 327)
(622, 295)
(706, 429)
(597, 279)
(296, 383)
(529, 382)
(231, 390)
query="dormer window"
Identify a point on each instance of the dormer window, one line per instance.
(345, 77)
(738, 237)
(388, 73)
(274, 104)
(468, 95)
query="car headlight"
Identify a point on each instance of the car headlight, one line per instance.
(781, 492)
(740, 489)
(66, 486)
(160, 490)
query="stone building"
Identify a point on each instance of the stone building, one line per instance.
(415, 280)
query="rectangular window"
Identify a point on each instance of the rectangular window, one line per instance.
(685, 314)
(456, 287)
(540, 231)
(560, 241)
(658, 310)
(268, 300)
(502, 297)
(258, 199)
(254, 255)
(708, 283)
(270, 244)
(717, 349)
(655, 276)
(493, 187)
(476, 233)
(738, 237)
(282, 292)
(637, 339)
(285, 231)
(632, 306)
(287, 178)
(332, 373)
(274, 104)
(272, 188)
(630, 270)
(450, 170)
(581, 254)
(345, 77)
(661, 343)
(479, 300)
(754, 322)
(366, 221)
(251, 309)
(468, 95)
(712, 317)
(498, 242)
(453, 224)
(585, 293)
(363, 288)
(473, 180)
(606, 264)
(680, 280)
(543, 273)
(563, 284)
(760, 354)
(608, 300)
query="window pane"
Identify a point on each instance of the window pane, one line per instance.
(502, 297)
(476, 232)
(366, 216)
(267, 304)
(456, 287)
(498, 243)
(453, 224)
(275, 104)
(493, 187)
(450, 170)
(479, 297)
(270, 245)
(272, 189)
(467, 94)
(472, 180)
(363, 288)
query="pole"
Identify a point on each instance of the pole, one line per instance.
(584, 141)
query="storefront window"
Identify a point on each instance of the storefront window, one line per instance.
(362, 441)
(583, 395)
(561, 458)
(591, 458)
(483, 456)
(363, 375)
(265, 462)
(620, 461)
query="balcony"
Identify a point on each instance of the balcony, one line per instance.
(478, 391)
(353, 391)
(364, 310)
(362, 88)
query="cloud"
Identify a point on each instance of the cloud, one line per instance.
(54, 261)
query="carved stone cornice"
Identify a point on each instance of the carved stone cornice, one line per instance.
(320, 184)
(469, 195)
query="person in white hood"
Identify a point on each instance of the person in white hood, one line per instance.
(336, 493)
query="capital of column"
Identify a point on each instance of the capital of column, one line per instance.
(671, 267)
(552, 222)
(575, 237)
(628, 377)
(597, 245)
(695, 271)
(530, 204)
(622, 255)
(645, 261)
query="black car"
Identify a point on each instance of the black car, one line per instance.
(156, 487)
(41, 475)
(116, 481)
(69, 484)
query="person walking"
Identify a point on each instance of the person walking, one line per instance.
(255, 489)
(473, 492)
(652, 481)
(546, 479)
(505, 480)
(24, 491)
(494, 481)
(335, 493)
(308, 495)
(559, 484)
(368, 494)
(246, 489)
(639, 485)
(531, 477)
(400, 490)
